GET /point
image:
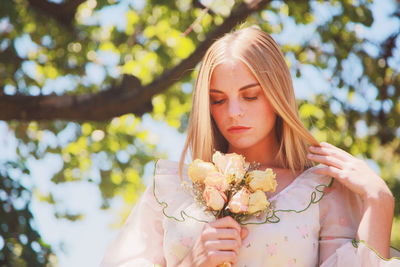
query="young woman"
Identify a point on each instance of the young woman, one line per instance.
(244, 103)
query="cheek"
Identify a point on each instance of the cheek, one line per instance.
(266, 107)
(263, 111)
(217, 114)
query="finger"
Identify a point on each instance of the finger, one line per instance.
(341, 151)
(224, 245)
(244, 233)
(227, 233)
(322, 150)
(330, 171)
(219, 256)
(327, 160)
(226, 222)
(222, 234)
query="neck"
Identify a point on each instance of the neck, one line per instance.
(263, 152)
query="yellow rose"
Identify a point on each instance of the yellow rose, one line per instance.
(214, 199)
(217, 180)
(198, 170)
(239, 201)
(232, 165)
(262, 180)
(257, 201)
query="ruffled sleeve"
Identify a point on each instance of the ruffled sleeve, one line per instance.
(340, 215)
(140, 241)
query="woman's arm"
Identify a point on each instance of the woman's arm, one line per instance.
(376, 222)
(378, 203)
(140, 241)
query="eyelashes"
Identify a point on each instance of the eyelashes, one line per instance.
(223, 100)
(216, 102)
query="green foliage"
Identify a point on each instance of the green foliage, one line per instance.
(20, 243)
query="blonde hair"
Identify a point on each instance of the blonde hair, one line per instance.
(262, 55)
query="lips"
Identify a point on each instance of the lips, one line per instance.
(238, 128)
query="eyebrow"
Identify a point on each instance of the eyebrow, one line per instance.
(241, 89)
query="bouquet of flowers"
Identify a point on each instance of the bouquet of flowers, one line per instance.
(230, 186)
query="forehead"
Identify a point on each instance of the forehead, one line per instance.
(232, 73)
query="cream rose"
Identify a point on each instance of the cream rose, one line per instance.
(262, 180)
(214, 199)
(257, 201)
(239, 201)
(217, 180)
(198, 170)
(232, 165)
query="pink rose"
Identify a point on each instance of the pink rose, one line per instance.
(217, 180)
(214, 199)
(239, 201)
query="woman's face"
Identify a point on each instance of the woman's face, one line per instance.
(237, 99)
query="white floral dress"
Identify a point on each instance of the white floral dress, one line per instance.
(313, 223)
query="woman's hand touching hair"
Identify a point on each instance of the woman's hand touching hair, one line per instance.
(378, 201)
(219, 242)
(352, 172)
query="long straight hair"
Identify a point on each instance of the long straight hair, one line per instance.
(262, 55)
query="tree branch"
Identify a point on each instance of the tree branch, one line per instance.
(116, 101)
(64, 13)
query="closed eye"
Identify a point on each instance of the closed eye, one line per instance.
(217, 102)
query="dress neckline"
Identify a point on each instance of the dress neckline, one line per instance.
(295, 181)
(289, 186)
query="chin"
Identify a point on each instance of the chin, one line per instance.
(242, 145)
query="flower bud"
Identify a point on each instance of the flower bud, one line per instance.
(198, 170)
(239, 201)
(257, 202)
(214, 199)
(217, 180)
(262, 180)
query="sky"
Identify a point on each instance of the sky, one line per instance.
(85, 242)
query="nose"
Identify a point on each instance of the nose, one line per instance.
(235, 109)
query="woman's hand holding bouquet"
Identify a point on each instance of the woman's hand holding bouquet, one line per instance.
(218, 244)
(233, 190)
